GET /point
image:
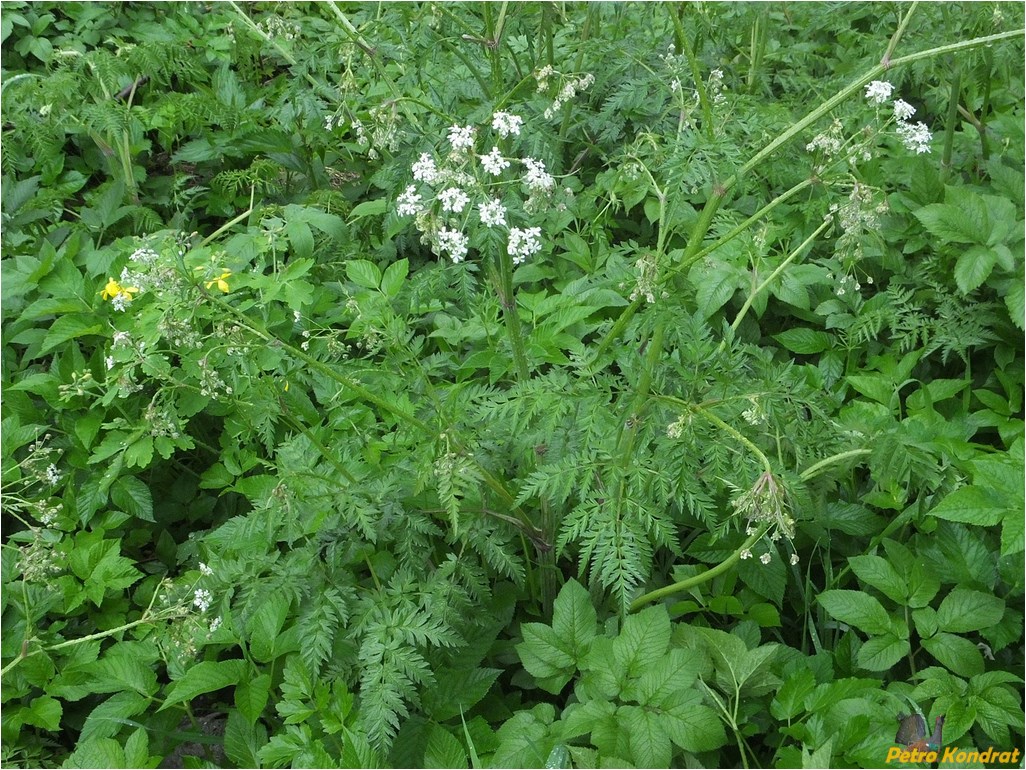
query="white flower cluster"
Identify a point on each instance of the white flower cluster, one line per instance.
(568, 87)
(916, 138)
(523, 243)
(507, 124)
(443, 216)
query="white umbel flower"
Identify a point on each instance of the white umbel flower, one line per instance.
(523, 243)
(493, 162)
(507, 124)
(461, 137)
(493, 213)
(903, 110)
(879, 91)
(454, 242)
(409, 202)
(453, 199)
(424, 170)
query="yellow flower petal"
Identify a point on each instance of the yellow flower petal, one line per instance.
(111, 290)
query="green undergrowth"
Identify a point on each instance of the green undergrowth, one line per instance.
(511, 385)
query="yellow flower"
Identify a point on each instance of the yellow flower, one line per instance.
(221, 281)
(114, 289)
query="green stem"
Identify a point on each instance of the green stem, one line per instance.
(816, 468)
(507, 298)
(897, 34)
(701, 577)
(727, 563)
(736, 434)
(951, 123)
(702, 226)
(772, 276)
(757, 216)
(696, 74)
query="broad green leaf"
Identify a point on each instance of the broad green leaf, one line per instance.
(643, 640)
(395, 274)
(251, 697)
(691, 725)
(925, 620)
(524, 739)
(714, 285)
(1015, 301)
(369, 208)
(965, 610)
(956, 653)
(98, 752)
(132, 496)
(856, 609)
(70, 327)
(107, 719)
(205, 677)
(951, 224)
(363, 273)
(544, 657)
(137, 749)
(443, 749)
(971, 505)
(659, 681)
(874, 386)
(790, 698)
(881, 652)
(878, 572)
(804, 341)
(973, 267)
(44, 712)
(243, 739)
(457, 689)
(647, 737)
(574, 620)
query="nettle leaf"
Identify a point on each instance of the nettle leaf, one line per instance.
(856, 609)
(208, 676)
(965, 610)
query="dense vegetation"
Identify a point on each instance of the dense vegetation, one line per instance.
(483, 385)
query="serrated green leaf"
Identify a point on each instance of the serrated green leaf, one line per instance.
(856, 609)
(544, 657)
(971, 505)
(205, 677)
(243, 739)
(132, 496)
(965, 610)
(395, 274)
(804, 341)
(790, 698)
(673, 672)
(956, 653)
(107, 719)
(881, 652)
(878, 572)
(43, 712)
(70, 327)
(951, 224)
(643, 640)
(251, 697)
(443, 749)
(691, 725)
(646, 735)
(363, 273)
(973, 267)
(574, 620)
